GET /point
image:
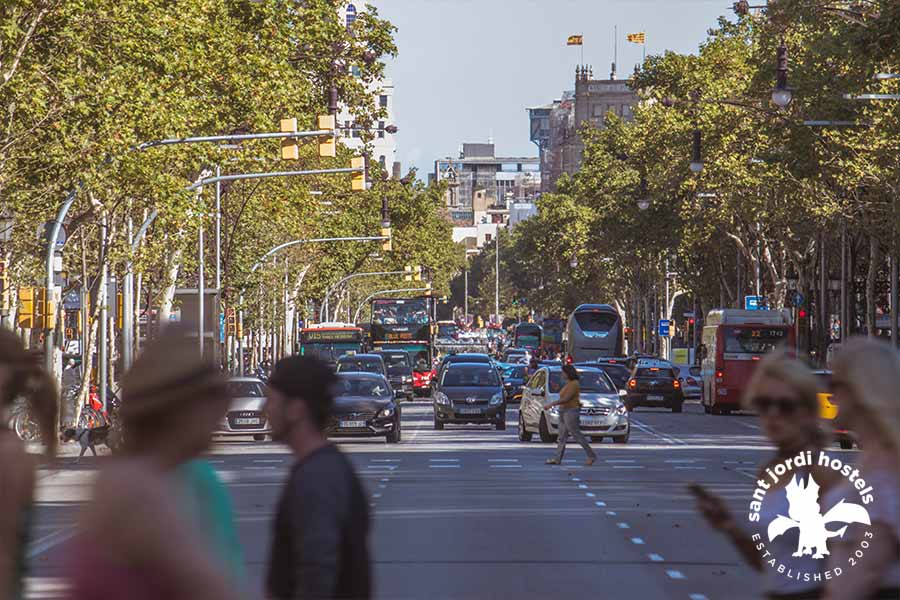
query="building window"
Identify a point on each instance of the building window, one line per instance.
(381, 129)
(383, 161)
(382, 100)
(488, 237)
(350, 16)
(347, 128)
(598, 110)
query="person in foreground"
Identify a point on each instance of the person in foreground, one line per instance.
(140, 537)
(321, 527)
(866, 385)
(783, 391)
(21, 376)
(569, 416)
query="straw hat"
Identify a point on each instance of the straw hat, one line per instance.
(166, 376)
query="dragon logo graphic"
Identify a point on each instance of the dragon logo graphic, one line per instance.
(805, 513)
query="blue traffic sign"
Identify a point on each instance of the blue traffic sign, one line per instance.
(754, 303)
(663, 328)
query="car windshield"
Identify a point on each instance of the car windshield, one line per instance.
(244, 389)
(595, 322)
(659, 372)
(514, 372)
(358, 366)
(590, 381)
(753, 341)
(618, 373)
(358, 386)
(695, 371)
(470, 376)
(398, 359)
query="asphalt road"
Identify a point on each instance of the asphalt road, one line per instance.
(470, 512)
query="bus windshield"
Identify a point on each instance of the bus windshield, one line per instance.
(329, 352)
(400, 312)
(753, 341)
(595, 324)
(448, 330)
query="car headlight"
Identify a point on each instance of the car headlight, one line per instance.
(621, 410)
(497, 399)
(441, 398)
(386, 412)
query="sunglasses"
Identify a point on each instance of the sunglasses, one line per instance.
(782, 406)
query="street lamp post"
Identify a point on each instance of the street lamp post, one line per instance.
(781, 95)
(323, 311)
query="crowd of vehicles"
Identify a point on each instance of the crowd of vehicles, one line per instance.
(471, 377)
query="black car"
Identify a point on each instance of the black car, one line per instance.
(654, 382)
(617, 371)
(399, 371)
(364, 406)
(513, 381)
(361, 363)
(469, 357)
(469, 393)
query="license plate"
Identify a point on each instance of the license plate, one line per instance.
(591, 421)
(353, 424)
(652, 397)
(241, 421)
(469, 411)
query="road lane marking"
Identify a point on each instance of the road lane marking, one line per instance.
(39, 546)
(259, 468)
(611, 513)
(680, 460)
(384, 479)
(623, 525)
(443, 460)
(675, 574)
(502, 460)
(620, 460)
(443, 466)
(590, 494)
(749, 425)
(582, 486)
(384, 460)
(376, 495)
(655, 557)
(576, 479)
(637, 541)
(268, 460)
(685, 468)
(628, 466)
(506, 466)
(600, 503)
(698, 597)
(648, 429)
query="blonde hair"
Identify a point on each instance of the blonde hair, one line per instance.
(870, 370)
(781, 367)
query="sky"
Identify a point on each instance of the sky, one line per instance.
(467, 69)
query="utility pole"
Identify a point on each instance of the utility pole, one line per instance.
(497, 279)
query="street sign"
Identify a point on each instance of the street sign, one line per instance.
(663, 328)
(72, 301)
(753, 303)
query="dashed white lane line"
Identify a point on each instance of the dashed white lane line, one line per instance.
(620, 460)
(590, 494)
(381, 467)
(215, 462)
(503, 460)
(698, 597)
(582, 486)
(675, 574)
(637, 540)
(623, 525)
(749, 425)
(259, 468)
(655, 557)
(680, 460)
(628, 466)
(269, 460)
(506, 466)
(384, 479)
(385, 460)
(576, 479)
(443, 466)
(442, 460)
(611, 513)
(600, 503)
(686, 468)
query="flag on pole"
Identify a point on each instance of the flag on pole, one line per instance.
(637, 38)
(575, 40)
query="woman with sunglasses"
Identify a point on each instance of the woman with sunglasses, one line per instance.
(783, 391)
(866, 384)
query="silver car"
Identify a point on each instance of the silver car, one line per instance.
(691, 382)
(245, 416)
(603, 414)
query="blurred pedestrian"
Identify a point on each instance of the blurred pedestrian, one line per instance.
(569, 417)
(147, 533)
(321, 527)
(21, 376)
(784, 392)
(866, 385)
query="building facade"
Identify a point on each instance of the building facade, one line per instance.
(482, 189)
(555, 128)
(384, 144)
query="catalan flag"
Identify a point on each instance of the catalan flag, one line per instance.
(637, 38)
(575, 40)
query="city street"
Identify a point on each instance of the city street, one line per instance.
(470, 512)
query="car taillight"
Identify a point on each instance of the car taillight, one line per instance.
(569, 359)
(720, 376)
(632, 384)
(676, 384)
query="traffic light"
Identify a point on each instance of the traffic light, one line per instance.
(26, 308)
(327, 144)
(44, 309)
(358, 183)
(417, 273)
(290, 150)
(386, 244)
(412, 273)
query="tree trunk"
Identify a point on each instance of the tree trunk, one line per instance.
(170, 281)
(874, 262)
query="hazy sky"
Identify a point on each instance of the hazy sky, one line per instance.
(467, 69)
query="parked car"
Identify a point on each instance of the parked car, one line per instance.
(399, 371)
(469, 393)
(603, 414)
(364, 406)
(653, 383)
(513, 381)
(361, 363)
(245, 415)
(828, 412)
